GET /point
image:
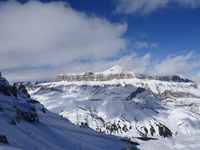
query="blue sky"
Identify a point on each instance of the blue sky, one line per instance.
(47, 37)
(173, 28)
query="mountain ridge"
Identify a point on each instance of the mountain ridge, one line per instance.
(115, 72)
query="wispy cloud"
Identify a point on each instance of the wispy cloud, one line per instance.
(154, 45)
(142, 45)
(145, 7)
(175, 65)
(196, 77)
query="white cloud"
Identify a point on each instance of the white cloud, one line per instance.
(37, 34)
(39, 41)
(145, 7)
(142, 45)
(154, 45)
(178, 65)
(133, 62)
(196, 77)
(31, 75)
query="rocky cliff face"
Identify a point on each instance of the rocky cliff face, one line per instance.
(115, 72)
(89, 76)
(20, 103)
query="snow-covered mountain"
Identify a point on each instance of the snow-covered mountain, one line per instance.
(134, 106)
(115, 72)
(25, 124)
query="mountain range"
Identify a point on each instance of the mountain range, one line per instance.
(125, 104)
(25, 124)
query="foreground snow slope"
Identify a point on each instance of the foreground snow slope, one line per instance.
(26, 124)
(140, 106)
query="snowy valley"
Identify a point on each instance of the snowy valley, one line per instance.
(25, 124)
(125, 104)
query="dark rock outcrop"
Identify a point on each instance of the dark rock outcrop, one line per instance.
(164, 131)
(179, 79)
(22, 110)
(152, 130)
(33, 101)
(3, 139)
(1, 108)
(134, 94)
(114, 128)
(8, 90)
(24, 90)
(168, 78)
(169, 94)
(27, 116)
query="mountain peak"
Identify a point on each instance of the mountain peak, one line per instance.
(116, 68)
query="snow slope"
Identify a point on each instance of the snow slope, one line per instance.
(132, 107)
(27, 125)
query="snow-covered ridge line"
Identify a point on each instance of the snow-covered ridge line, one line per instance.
(115, 72)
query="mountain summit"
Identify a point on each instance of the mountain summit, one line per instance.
(117, 69)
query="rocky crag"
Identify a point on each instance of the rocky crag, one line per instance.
(114, 73)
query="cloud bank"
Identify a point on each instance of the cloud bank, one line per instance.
(145, 7)
(197, 77)
(52, 34)
(176, 65)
